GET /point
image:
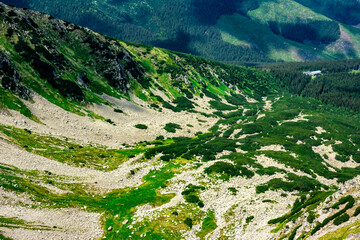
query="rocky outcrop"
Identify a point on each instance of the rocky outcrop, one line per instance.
(116, 64)
(10, 78)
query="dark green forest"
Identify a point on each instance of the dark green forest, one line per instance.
(338, 85)
(220, 30)
(316, 32)
(184, 26)
(343, 11)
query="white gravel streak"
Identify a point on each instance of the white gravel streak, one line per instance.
(328, 150)
(277, 147)
(268, 104)
(301, 117)
(320, 130)
(83, 129)
(70, 223)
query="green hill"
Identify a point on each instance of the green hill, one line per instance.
(343, 11)
(101, 138)
(231, 31)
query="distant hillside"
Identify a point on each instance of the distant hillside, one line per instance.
(346, 12)
(231, 31)
(338, 84)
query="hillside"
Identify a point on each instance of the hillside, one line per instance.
(338, 84)
(231, 31)
(101, 138)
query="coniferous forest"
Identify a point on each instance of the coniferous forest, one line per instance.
(234, 32)
(339, 83)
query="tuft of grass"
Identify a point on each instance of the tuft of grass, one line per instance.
(341, 219)
(9, 101)
(233, 190)
(357, 212)
(208, 225)
(110, 121)
(141, 126)
(249, 219)
(118, 110)
(190, 194)
(189, 222)
(171, 127)
(221, 106)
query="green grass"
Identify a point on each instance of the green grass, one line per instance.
(299, 206)
(169, 223)
(120, 202)
(357, 212)
(293, 183)
(2, 237)
(124, 203)
(341, 219)
(20, 181)
(349, 200)
(171, 127)
(66, 151)
(221, 106)
(284, 12)
(141, 126)
(17, 223)
(9, 101)
(343, 232)
(208, 225)
(148, 66)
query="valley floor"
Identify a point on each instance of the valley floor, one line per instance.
(268, 170)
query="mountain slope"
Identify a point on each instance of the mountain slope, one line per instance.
(343, 11)
(224, 31)
(103, 138)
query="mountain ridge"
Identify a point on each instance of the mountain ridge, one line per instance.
(222, 31)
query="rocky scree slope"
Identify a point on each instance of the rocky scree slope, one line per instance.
(102, 138)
